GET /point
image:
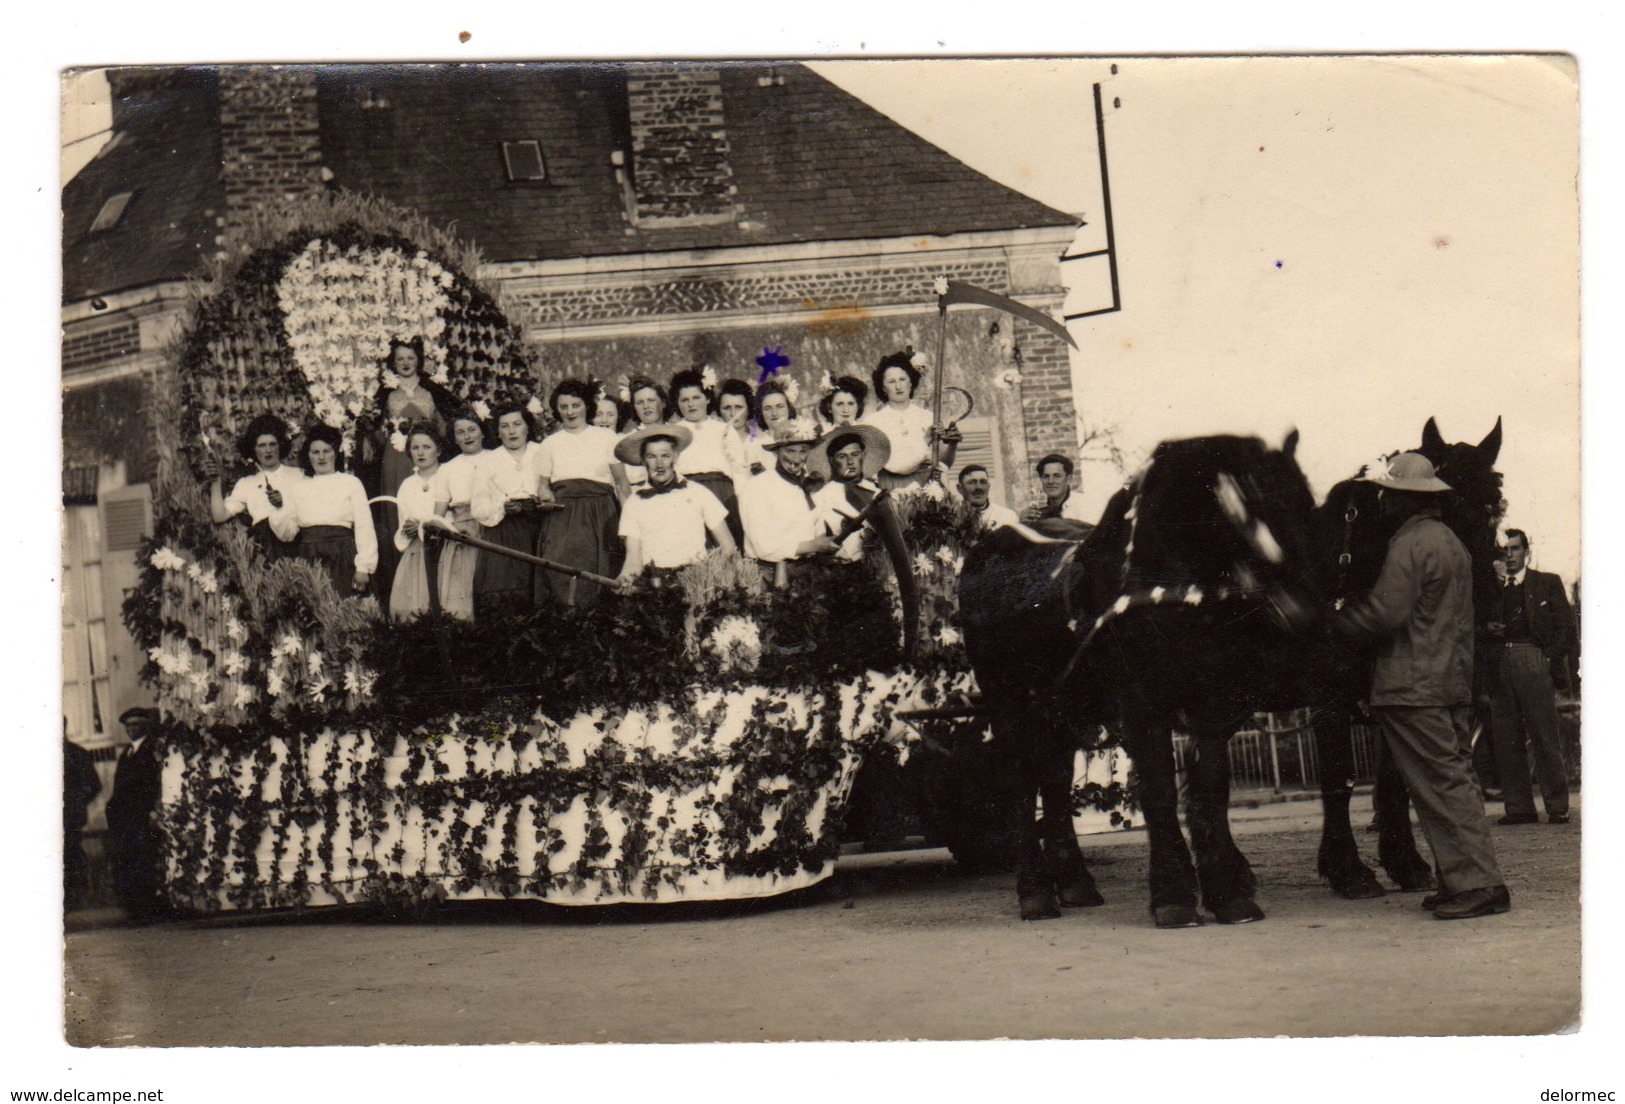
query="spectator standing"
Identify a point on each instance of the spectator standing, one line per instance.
(1055, 479)
(1535, 625)
(132, 837)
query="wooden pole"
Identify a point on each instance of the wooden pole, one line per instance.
(501, 550)
(936, 408)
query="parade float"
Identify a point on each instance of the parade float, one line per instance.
(649, 748)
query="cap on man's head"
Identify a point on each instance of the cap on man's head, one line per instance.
(138, 713)
(1409, 471)
(1054, 458)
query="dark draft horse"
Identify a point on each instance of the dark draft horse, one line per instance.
(1200, 572)
(1351, 541)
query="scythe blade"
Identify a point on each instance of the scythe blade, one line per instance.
(969, 293)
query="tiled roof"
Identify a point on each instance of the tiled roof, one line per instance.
(810, 163)
(167, 151)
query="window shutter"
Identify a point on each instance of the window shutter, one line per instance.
(980, 446)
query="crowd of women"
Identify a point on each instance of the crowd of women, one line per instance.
(583, 495)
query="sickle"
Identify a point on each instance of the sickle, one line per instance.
(969, 293)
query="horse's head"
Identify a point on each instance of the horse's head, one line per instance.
(1231, 516)
(1474, 508)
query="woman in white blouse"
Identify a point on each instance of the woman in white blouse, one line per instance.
(907, 426)
(506, 506)
(715, 452)
(422, 495)
(844, 404)
(578, 471)
(462, 473)
(327, 516)
(736, 406)
(259, 495)
(774, 410)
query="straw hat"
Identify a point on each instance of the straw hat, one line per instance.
(1409, 471)
(798, 432)
(629, 449)
(876, 449)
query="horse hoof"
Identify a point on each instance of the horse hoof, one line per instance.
(1080, 895)
(1040, 906)
(1176, 916)
(1358, 885)
(1238, 910)
(1414, 881)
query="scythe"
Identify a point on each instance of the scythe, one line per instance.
(950, 292)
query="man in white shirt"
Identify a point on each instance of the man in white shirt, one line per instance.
(782, 522)
(1055, 479)
(665, 522)
(976, 488)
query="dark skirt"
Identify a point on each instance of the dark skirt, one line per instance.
(723, 487)
(268, 542)
(332, 549)
(581, 534)
(502, 582)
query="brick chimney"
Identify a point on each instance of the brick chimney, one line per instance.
(270, 140)
(680, 168)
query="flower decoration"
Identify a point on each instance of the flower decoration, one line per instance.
(948, 636)
(397, 441)
(792, 390)
(341, 307)
(291, 645)
(919, 361)
(826, 383)
(625, 392)
(1376, 470)
(482, 409)
(940, 285)
(736, 642)
(1010, 377)
(708, 377)
(534, 405)
(165, 559)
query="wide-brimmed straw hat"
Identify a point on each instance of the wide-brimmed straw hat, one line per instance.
(1409, 471)
(629, 449)
(876, 449)
(797, 432)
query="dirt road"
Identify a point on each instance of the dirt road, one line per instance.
(894, 947)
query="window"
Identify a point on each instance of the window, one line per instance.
(524, 160)
(113, 210)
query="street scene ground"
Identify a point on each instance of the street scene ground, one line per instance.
(895, 946)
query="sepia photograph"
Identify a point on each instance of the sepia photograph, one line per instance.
(813, 549)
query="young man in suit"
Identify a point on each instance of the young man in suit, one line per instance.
(1535, 628)
(132, 837)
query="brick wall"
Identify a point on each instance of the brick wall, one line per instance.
(91, 348)
(680, 165)
(1048, 410)
(269, 137)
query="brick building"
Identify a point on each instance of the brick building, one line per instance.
(636, 217)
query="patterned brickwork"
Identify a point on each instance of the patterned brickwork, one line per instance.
(810, 291)
(680, 167)
(92, 347)
(270, 137)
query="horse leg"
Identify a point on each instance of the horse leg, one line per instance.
(1173, 879)
(1035, 881)
(1227, 879)
(1396, 843)
(1074, 885)
(1339, 859)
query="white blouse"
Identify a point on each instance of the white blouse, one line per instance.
(248, 493)
(336, 498)
(908, 430)
(417, 500)
(463, 473)
(504, 474)
(586, 453)
(716, 448)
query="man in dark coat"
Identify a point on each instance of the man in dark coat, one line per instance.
(1421, 611)
(1535, 628)
(132, 837)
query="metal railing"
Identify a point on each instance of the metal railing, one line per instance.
(1279, 754)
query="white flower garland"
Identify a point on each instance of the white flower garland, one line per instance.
(342, 308)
